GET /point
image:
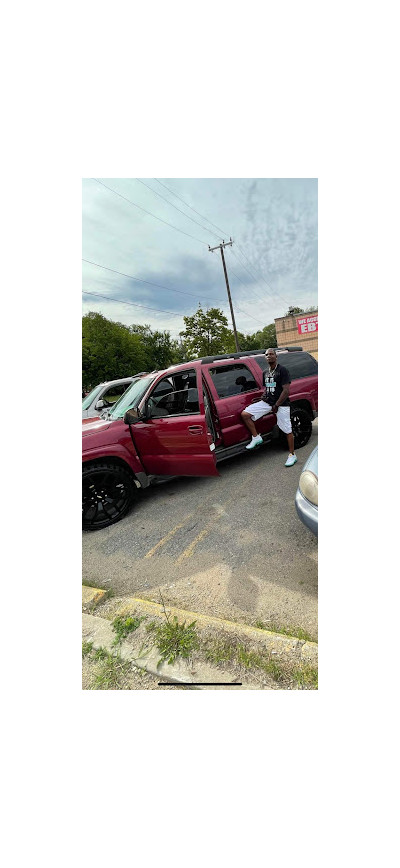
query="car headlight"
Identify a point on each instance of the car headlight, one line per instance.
(308, 485)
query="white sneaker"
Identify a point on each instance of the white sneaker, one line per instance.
(291, 459)
(255, 441)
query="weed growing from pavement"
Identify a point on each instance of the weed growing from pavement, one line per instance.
(86, 648)
(174, 639)
(123, 626)
(112, 673)
(293, 632)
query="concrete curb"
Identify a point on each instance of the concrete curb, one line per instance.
(202, 677)
(92, 597)
(98, 630)
(276, 643)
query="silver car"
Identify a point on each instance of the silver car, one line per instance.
(306, 499)
(105, 395)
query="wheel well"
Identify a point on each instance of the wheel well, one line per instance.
(305, 405)
(109, 459)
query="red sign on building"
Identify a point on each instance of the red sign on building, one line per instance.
(307, 324)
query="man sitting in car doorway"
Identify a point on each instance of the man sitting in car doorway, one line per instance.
(274, 400)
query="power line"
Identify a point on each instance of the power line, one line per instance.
(192, 209)
(177, 209)
(158, 285)
(254, 277)
(263, 300)
(262, 278)
(148, 212)
(156, 309)
(169, 289)
(251, 288)
(133, 303)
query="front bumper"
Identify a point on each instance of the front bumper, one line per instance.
(307, 512)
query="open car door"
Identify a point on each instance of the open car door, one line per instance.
(171, 434)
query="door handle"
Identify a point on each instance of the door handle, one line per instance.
(195, 429)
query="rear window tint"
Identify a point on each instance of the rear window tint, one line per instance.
(298, 364)
(232, 380)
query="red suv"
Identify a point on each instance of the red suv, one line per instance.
(181, 422)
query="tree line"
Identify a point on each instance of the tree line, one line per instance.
(112, 350)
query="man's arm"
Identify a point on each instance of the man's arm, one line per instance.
(282, 397)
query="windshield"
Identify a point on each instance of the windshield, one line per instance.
(89, 398)
(130, 398)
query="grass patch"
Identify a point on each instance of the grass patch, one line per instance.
(112, 673)
(226, 651)
(101, 654)
(174, 639)
(86, 648)
(306, 676)
(219, 651)
(124, 626)
(250, 659)
(293, 632)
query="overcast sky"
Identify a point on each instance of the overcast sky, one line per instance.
(271, 265)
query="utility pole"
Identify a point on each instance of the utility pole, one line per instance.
(221, 247)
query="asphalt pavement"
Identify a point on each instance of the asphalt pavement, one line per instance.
(230, 547)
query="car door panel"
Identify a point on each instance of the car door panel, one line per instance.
(177, 445)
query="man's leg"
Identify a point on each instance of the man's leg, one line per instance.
(246, 417)
(256, 439)
(284, 423)
(290, 440)
(292, 457)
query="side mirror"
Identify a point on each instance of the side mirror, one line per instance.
(99, 405)
(132, 416)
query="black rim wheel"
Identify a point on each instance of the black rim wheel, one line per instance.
(107, 493)
(301, 426)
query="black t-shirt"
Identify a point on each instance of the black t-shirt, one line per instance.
(274, 384)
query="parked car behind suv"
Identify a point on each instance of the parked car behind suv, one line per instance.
(306, 499)
(182, 422)
(105, 395)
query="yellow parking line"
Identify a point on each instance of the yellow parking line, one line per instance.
(168, 536)
(187, 553)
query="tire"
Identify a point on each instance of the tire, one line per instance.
(108, 491)
(301, 426)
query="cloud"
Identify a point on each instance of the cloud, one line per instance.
(273, 260)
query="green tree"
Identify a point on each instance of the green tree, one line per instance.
(109, 350)
(268, 336)
(157, 346)
(294, 310)
(207, 333)
(261, 339)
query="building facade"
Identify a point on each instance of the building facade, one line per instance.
(298, 330)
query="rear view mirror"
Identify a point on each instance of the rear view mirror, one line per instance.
(99, 405)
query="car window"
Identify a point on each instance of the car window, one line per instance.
(298, 364)
(232, 380)
(112, 394)
(90, 397)
(131, 398)
(175, 395)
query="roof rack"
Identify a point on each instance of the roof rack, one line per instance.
(240, 355)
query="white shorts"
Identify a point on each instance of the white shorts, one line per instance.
(261, 408)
